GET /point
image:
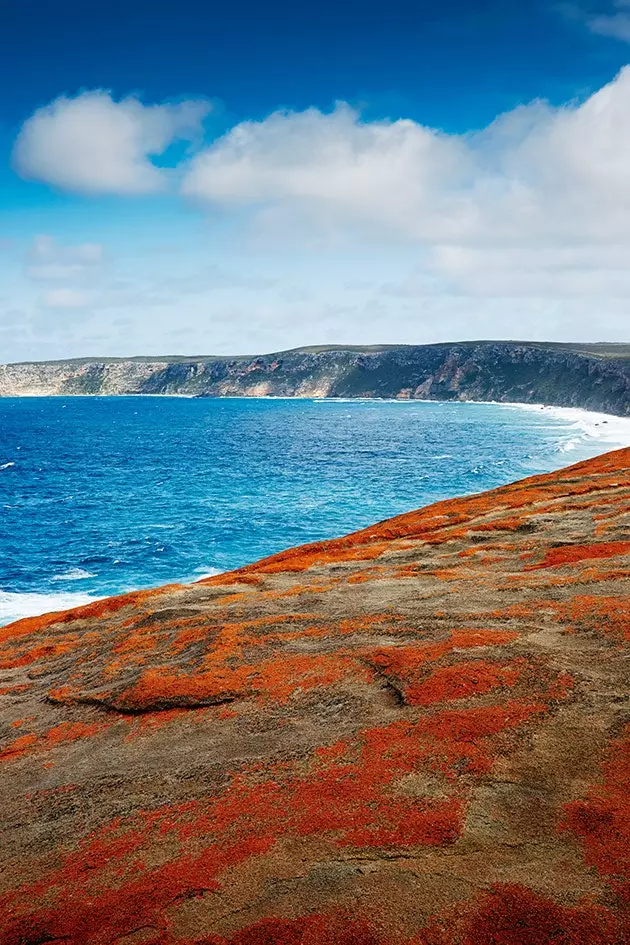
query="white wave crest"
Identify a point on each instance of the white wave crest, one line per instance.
(74, 574)
(15, 606)
(587, 430)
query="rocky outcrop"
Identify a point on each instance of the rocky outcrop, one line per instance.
(414, 735)
(595, 377)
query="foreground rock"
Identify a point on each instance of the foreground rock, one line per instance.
(410, 736)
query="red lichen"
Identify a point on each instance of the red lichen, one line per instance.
(602, 820)
(463, 680)
(574, 554)
(512, 914)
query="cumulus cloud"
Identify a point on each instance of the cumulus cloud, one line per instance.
(335, 165)
(408, 233)
(94, 144)
(541, 180)
(432, 185)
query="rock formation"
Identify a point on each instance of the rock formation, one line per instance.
(414, 735)
(594, 377)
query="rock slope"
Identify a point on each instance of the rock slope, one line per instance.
(595, 377)
(414, 735)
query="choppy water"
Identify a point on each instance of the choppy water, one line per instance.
(101, 495)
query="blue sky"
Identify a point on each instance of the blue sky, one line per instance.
(197, 178)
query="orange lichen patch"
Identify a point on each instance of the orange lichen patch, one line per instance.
(574, 554)
(602, 820)
(454, 574)
(467, 638)
(100, 608)
(273, 679)
(66, 732)
(609, 616)
(324, 554)
(18, 747)
(15, 690)
(111, 605)
(359, 624)
(463, 680)
(31, 625)
(233, 577)
(408, 663)
(298, 590)
(367, 574)
(144, 642)
(13, 657)
(197, 630)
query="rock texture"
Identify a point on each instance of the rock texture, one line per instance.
(414, 735)
(595, 377)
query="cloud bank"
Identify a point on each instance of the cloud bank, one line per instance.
(347, 230)
(92, 144)
(536, 172)
(538, 203)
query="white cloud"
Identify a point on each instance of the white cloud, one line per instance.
(430, 185)
(539, 179)
(368, 232)
(65, 298)
(615, 25)
(93, 144)
(335, 165)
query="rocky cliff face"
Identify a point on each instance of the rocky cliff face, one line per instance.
(414, 735)
(592, 377)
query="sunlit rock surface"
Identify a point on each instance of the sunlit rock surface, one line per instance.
(415, 735)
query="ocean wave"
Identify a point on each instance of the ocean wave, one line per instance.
(15, 606)
(200, 574)
(74, 574)
(585, 426)
(7, 465)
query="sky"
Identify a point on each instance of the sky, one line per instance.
(198, 178)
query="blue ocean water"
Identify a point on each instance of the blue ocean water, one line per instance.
(102, 495)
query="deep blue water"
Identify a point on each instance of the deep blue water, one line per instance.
(101, 495)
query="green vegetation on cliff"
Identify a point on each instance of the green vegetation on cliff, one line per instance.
(595, 376)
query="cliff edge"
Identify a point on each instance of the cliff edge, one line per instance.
(414, 735)
(593, 377)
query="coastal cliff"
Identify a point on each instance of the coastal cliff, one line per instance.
(593, 377)
(413, 735)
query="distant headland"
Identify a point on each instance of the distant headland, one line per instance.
(588, 376)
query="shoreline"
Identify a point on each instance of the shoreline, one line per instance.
(566, 411)
(587, 434)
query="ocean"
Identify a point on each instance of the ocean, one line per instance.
(99, 495)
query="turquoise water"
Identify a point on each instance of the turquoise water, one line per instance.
(101, 495)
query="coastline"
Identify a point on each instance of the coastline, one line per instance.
(582, 435)
(605, 428)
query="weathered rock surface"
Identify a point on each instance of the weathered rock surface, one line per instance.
(414, 735)
(595, 377)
